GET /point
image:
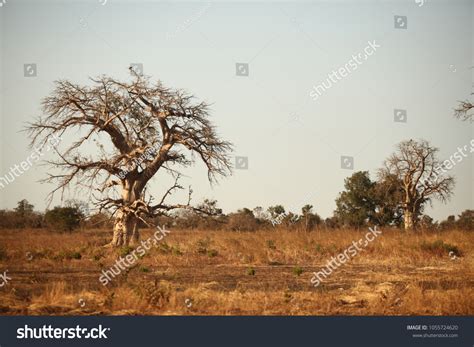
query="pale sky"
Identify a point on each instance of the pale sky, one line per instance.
(293, 143)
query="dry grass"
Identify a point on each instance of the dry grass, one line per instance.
(261, 273)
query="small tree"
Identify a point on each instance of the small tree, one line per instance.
(418, 170)
(24, 208)
(427, 223)
(356, 205)
(243, 220)
(448, 224)
(276, 212)
(387, 196)
(466, 220)
(464, 111)
(209, 214)
(63, 218)
(311, 220)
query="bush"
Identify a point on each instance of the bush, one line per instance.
(63, 218)
(125, 250)
(74, 255)
(202, 245)
(211, 253)
(243, 220)
(176, 251)
(15, 220)
(466, 220)
(297, 271)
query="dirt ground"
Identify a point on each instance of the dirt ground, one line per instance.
(226, 273)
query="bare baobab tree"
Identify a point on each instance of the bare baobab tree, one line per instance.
(137, 129)
(421, 175)
(464, 111)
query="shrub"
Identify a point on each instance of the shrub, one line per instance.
(211, 253)
(243, 220)
(125, 250)
(98, 256)
(74, 255)
(271, 244)
(202, 245)
(68, 255)
(251, 271)
(63, 218)
(466, 220)
(297, 271)
(176, 251)
(17, 220)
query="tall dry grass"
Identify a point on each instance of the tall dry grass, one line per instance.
(221, 272)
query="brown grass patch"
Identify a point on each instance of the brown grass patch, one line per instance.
(223, 273)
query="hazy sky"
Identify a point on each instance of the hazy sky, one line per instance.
(293, 143)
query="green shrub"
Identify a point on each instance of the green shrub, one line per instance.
(98, 256)
(74, 255)
(63, 218)
(202, 245)
(211, 253)
(125, 250)
(297, 271)
(251, 271)
(176, 251)
(271, 244)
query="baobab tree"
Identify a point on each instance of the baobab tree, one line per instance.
(464, 111)
(421, 175)
(137, 128)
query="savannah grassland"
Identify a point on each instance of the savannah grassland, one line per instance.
(231, 273)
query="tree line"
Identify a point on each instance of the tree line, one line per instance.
(141, 128)
(362, 203)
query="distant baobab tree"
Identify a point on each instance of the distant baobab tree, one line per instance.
(137, 129)
(465, 111)
(421, 175)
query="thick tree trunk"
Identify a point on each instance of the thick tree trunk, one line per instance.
(409, 220)
(126, 225)
(123, 230)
